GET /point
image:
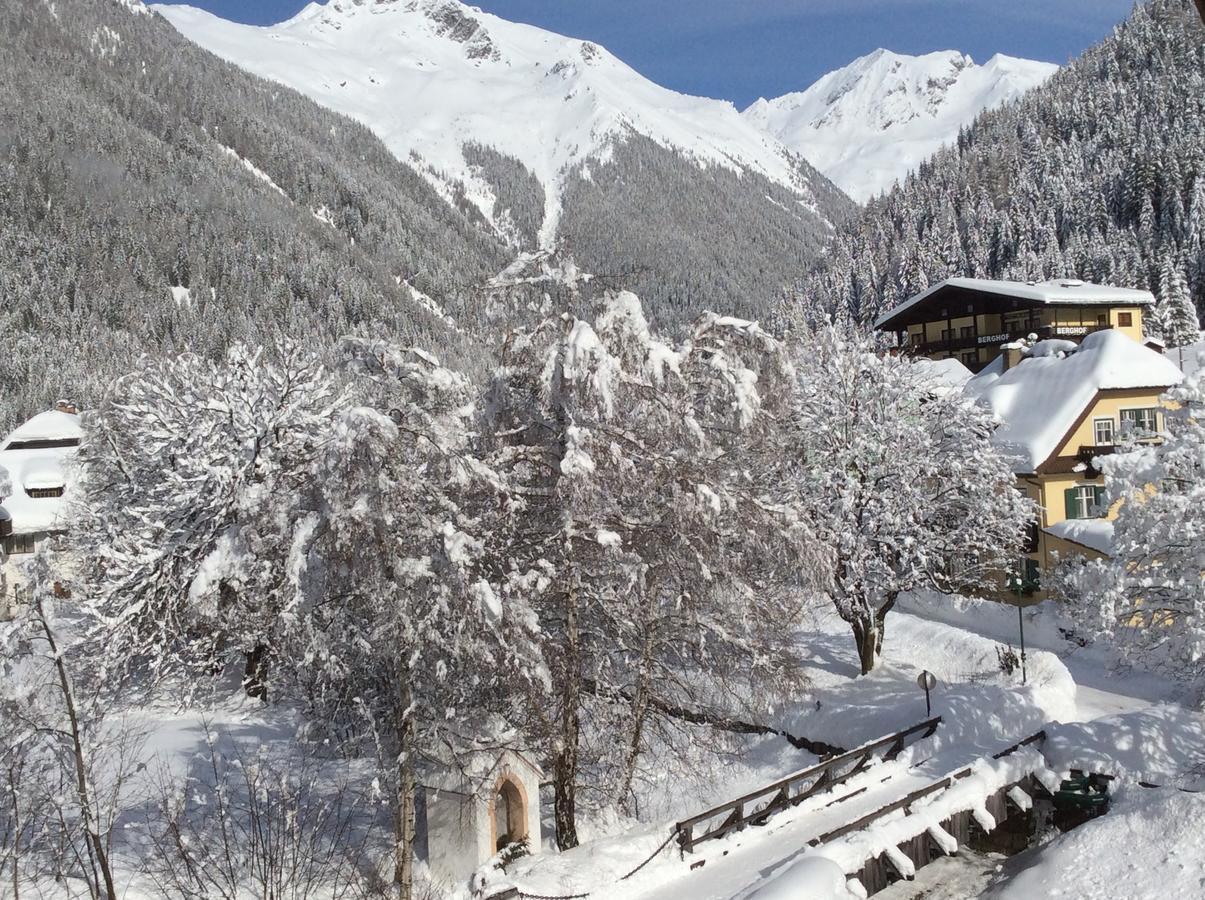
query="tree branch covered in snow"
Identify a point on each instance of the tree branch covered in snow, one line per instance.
(648, 542)
(1148, 600)
(898, 479)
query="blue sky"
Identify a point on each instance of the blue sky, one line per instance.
(742, 49)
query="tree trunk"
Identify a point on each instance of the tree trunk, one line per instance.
(14, 856)
(405, 812)
(564, 772)
(1201, 9)
(83, 793)
(255, 673)
(868, 637)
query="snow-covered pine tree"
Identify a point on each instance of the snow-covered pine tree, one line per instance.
(1175, 313)
(402, 641)
(192, 472)
(1148, 599)
(649, 543)
(899, 479)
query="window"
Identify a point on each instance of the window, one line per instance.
(1140, 420)
(44, 493)
(1102, 319)
(43, 444)
(966, 331)
(1103, 432)
(1031, 537)
(916, 337)
(19, 543)
(970, 357)
(1087, 501)
(946, 334)
(1125, 320)
(1033, 576)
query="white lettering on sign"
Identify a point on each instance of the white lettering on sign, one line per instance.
(992, 338)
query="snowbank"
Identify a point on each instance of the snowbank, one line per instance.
(1162, 744)
(1150, 845)
(813, 877)
(980, 704)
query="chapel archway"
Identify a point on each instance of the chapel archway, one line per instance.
(509, 813)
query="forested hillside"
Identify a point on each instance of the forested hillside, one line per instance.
(133, 162)
(1098, 174)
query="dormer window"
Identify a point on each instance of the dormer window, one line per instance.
(1103, 432)
(44, 493)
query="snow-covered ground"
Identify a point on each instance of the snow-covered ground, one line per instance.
(1150, 846)
(1096, 719)
(983, 710)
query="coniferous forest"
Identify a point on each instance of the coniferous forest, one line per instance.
(1099, 174)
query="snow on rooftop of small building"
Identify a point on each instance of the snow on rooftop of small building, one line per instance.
(1057, 292)
(1096, 534)
(34, 466)
(1038, 400)
(942, 376)
(49, 425)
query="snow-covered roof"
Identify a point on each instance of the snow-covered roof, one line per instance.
(942, 376)
(1059, 292)
(1096, 534)
(1040, 398)
(50, 425)
(38, 456)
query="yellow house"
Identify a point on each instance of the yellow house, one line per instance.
(970, 319)
(1060, 408)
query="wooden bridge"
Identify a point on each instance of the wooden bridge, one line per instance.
(755, 808)
(878, 816)
(880, 823)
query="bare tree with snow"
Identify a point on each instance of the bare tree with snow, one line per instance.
(899, 479)
(403, 643)
(1148, 599)
(648, 543)
(192, 472)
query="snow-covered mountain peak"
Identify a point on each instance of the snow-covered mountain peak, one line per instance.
(869, 123)
(431, 76)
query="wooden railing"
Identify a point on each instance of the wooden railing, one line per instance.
(906, 802)
(755, 807)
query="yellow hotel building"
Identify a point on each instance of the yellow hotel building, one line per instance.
(1064, 369)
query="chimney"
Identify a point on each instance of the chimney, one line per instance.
(1013, 353)
(66, 406)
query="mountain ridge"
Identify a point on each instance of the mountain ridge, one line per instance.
(870, 122)
(430, 76)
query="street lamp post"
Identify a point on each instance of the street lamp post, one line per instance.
(927, 681)
(1021, 615)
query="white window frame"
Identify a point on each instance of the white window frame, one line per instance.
(1137, 425)
(1087, 501)
(1096, 423)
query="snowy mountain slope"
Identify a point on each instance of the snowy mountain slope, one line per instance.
(870, 123)
(432, 76)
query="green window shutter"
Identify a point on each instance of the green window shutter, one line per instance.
(1071, 499)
